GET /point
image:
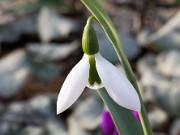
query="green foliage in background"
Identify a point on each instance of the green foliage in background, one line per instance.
(31, 6)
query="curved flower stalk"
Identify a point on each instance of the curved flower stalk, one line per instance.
(96, 72)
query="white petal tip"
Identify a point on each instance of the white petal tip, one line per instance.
(137, 107)
(58, 111)
(137, 110)
(60, 107)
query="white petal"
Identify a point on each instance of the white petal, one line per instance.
(117, 85)
(74, 85)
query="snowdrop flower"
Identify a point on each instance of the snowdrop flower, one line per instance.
(96, 72)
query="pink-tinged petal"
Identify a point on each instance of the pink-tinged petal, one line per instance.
(115, 131)
(117, 85)
(136, 114)
(107, 124)
(74, 85)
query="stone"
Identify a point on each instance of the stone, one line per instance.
(163, 15)
(157, 118)
(12, 82)
(89, 111)
(45, 71)
(130, 46)
(146, 63)
(14, 67)
(14, 61)
(43, 105)
(55, 127)
(22, 113)
(143, 37)
(33, 130)
(51, 25)
(151, 77)
(52, 52)
(175, 128)
(75, 129)
(169, 63)
(18, 107)
(7, 128)
(160, 81)
(167, 97)
(167, 37)
(128, 42)
(12, 31)
(126, 20)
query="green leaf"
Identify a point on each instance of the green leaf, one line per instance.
(178, 1)
(124, 119)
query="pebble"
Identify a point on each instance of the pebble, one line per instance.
(76, 129)
(146, 63)
(160, 81)
(167, 97)
(13, 82)
(170, 60)
(55, 127)
(157, 118)
(14, 61)
(33, 130)
(7, 128)
(51, 25)
(88, 111)
(12, 31)
(129, 44)
(151, 77)
(43, 105)
(175, 128)
(14, 67)
(46, 71)
(167, 37)
(52, 51)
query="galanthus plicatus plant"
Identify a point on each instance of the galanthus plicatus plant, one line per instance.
(120, 94)
(96, 72)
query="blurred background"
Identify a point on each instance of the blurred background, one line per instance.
(40, 42)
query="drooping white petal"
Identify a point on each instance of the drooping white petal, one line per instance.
(117, 85)
(74, 85)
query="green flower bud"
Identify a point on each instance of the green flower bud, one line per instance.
(89, 40)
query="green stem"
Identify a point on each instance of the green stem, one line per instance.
(113, 36)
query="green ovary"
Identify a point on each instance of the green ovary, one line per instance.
(93, 75)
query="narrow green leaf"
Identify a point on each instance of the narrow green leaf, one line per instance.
(124, 119)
